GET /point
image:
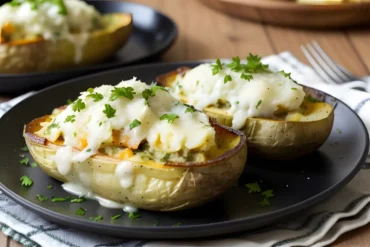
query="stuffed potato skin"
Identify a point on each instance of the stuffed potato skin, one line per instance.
(169, 187)
(277, 139)
(39, 55)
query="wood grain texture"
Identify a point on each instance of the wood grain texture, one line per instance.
(289, 13)
(336, 44)
(3, 240)
(360, 40)
(206, 33)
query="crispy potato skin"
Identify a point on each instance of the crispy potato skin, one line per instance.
(40, 55)
(273, 139)
(168, 187)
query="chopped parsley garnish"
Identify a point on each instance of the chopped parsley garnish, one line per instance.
(41, 198)
(24, 161)
(118, 92)
(268, 193)
(78, 105)
(253, 187)
(235, 64)
(177, 224)
(80, 211)
(35, 4)
(26, 181)
(134, 124)
(109, 111)
(117, 216)
(78, 200)
(169, 117)
(90, 90)
(134, 215)
(60, 199)
(216, 67)
(254, 64)
(24, 149)
(237, 102)
(151, 92)
(190, 109)
(97, 218)
(246, 77)
(165, 157)
(258, 104)
(51, 126)
(33, 164)
(339, 131)
(227, 78)
(96, 96)
(311, 99)
(294, 88)
(70, 118)
(69, 101)
(197, 83)
(285, 74)
(265, 202)
(49, 186)
(88, 150)
(74, 134)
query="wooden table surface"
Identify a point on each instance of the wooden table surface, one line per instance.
(205, 33)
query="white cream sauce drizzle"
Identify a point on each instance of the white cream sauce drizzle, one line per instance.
(81, 191)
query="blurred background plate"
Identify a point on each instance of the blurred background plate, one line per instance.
(153, 34)
(290, 13)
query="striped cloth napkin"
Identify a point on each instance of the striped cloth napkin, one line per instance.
(318, 226)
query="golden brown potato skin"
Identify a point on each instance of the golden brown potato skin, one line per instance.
(282, 140)
(40, 55)
(275, 139)
(168, 187)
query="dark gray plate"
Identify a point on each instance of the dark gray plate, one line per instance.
(153, 34)
(297, 184)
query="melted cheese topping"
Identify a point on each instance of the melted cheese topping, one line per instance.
(262, 96)
(46, 21)
(91, 127)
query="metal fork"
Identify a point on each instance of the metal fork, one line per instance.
(331, 72)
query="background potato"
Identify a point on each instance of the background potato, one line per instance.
(40, 55)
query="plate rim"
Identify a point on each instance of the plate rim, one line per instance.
(236, 224)
(169, 42)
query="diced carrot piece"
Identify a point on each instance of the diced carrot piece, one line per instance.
(126, 154)
(84, 143)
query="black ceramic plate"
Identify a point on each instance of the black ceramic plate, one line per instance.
(153, 33)
(297, 185)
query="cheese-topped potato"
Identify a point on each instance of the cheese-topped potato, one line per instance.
(128, 114)
(242, 95)
(135, 143)
(46, 35)
(282, 119)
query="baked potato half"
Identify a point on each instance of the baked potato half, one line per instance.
(135, 143)
(288, 136)
(40, 55)
(165, 186)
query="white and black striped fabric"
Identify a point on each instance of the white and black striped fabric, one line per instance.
(319, 226)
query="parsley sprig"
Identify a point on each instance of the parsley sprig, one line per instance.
(147, 93)
(118, 92)
(134, 124)
(109, 111)
(26, 181)
(78, 105)
(253, 65)
(267, 194)
(169, 117)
